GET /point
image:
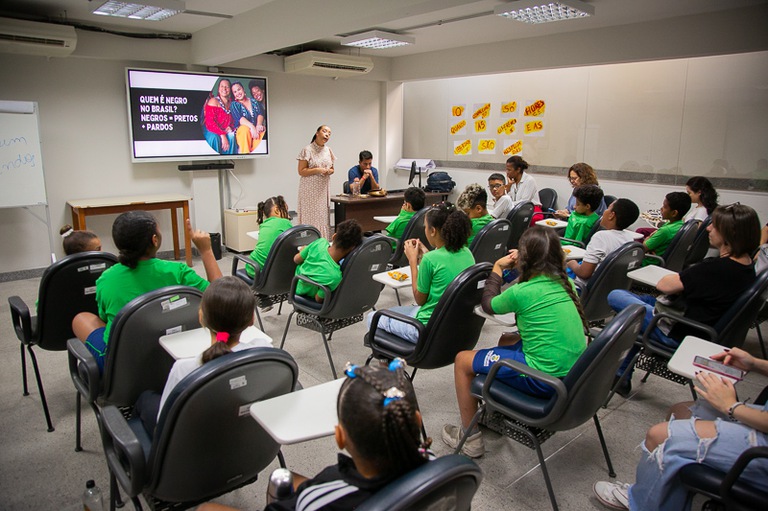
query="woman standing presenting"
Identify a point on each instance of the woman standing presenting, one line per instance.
(315, 168)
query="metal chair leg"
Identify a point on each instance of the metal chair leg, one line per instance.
(645, 378)
(620, 380)
(472, 424)
(328, 352)
(281, 459)
(543, 468)
(397, 295)
(258, 316)
(285, 332)
(280, 307)
(114, 494)
(693, 390)
(760, 338)
(40, 388)
(23, 370)
(78, 422)
(611, 472)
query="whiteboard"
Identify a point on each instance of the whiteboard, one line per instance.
(22, 181)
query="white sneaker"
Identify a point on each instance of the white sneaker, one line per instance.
(474, 447)
(612, 495)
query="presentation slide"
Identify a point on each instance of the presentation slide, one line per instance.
(196, 116)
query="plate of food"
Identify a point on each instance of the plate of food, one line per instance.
(380, 192)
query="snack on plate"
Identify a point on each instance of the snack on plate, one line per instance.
(397, 275)
(551, 222)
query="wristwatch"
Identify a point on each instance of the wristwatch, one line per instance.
(733, 409)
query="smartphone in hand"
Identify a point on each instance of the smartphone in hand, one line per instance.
(718, 367)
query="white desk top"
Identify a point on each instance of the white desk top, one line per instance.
(300, 416)
(385, 219)
(253, 234)
(130, 199)
(574, 252)
(390, 282)
(193, 342)
(682, 361)
(650, 274)
(507, 319)
(552, 222)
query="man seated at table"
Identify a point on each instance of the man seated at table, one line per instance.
(620, 214)
(365, 173)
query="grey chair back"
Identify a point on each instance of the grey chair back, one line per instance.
(67, 288)
(520, 219)
(449, 482)
(490, 244)
(610, 274)
(733, 326)
(700, 245)
(206, 442)
(414, 229)
(548, 198)
(677, 252)
(135, 360)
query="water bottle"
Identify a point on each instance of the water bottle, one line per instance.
(92, 499)
(355, 187)
(280, 484)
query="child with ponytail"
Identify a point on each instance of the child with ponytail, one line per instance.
(447, 229)
(226, 311)
(551, 323)
(379, 426)
(75, 242)
(273, 221)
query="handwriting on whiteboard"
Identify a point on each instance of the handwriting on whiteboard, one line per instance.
(18, 157)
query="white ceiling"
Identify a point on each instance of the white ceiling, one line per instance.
(284, 26)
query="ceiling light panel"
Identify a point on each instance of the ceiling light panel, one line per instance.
(377, 40)
(541, 11)
(151, 10)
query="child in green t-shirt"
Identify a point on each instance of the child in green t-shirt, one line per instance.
(414, 199)
(583, 217)
(474, 202)
(673, 209)
(319, 260)
(273, 221)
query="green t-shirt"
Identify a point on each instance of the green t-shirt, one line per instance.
(397, 227)
(477, 224)
(269, 230)
(660, 240)
(579, 226)
(319, 266)
(437, 270)
(549, 323)
(119, 284)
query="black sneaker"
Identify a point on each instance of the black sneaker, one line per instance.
(624, 388)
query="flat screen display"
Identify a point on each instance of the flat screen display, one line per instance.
(181, 116)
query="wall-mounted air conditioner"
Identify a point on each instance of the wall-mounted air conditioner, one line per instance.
(33, 38)
(327, 64)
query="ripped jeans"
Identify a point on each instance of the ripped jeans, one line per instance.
(658, 487)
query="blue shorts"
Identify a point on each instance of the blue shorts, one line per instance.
(96, 345)
(484, 359)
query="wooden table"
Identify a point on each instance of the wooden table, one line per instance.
(81, 208)
(364, 209)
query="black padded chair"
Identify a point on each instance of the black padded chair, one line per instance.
(272, 283)
(730, 331)
(548, 199)
(206, 443)
(452, 328)
(135, 360)
(610, 274)
(520, 218)
(700, 245)
(490, 244)
(449, 482)
(356, 294)
(414, 229)
(578, 395)
(609, 199)
(67, 288)
(345, 187)
(678, 249)
(583, 244)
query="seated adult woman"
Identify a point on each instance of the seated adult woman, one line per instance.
(549, 317)
(522, 186)
(703, 198)
(708, 288)
(580, 174)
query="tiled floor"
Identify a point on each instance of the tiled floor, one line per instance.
(41, 471)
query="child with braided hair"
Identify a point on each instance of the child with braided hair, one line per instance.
(551, 323)
(380, 427)
(273, 221)
(226, 310)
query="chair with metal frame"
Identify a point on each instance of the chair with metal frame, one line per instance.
(700, 245)
(345, 306)
(490, 244)
(205, 443)
(577, 398)
(548, 199)
(520, 218)
(67, 288)
(678, 249)
(272, 283)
